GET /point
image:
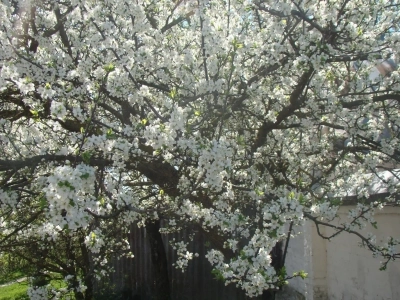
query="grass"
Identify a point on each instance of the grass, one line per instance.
(11, 277)
(15, 291)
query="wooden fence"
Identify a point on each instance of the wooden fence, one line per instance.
(133, 277)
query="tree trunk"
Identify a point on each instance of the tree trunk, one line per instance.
(159, 261)
(86, 271)
(79, 296)
(277, 263)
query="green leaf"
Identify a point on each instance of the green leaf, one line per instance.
(236, 44)
(302, 200)
(43, 202)
(299, 182)
(85, 176)
(273, 233)
(86, 157)
(35, 113)
(67, 184)
(173, 93)
(240, 140)
(109, 68)
(218, 275)
(336, 202)
(93, 239)
(330, 76)
(282, 273)
(259, 192)
(301, 274)
(110, 135)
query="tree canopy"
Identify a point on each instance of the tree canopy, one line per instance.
(237, 117)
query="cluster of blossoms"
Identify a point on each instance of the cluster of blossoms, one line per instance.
(48, 291)
(184, 256)
(238, 117)
(69, 192)
(38, 293)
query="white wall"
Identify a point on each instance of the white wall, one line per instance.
(340, 269)
(299, 258)
(352, 272)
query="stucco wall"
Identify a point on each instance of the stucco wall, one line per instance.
(299, 258)
(351, 271)
(340, 268)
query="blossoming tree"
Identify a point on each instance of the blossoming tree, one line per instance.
(237, 117)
